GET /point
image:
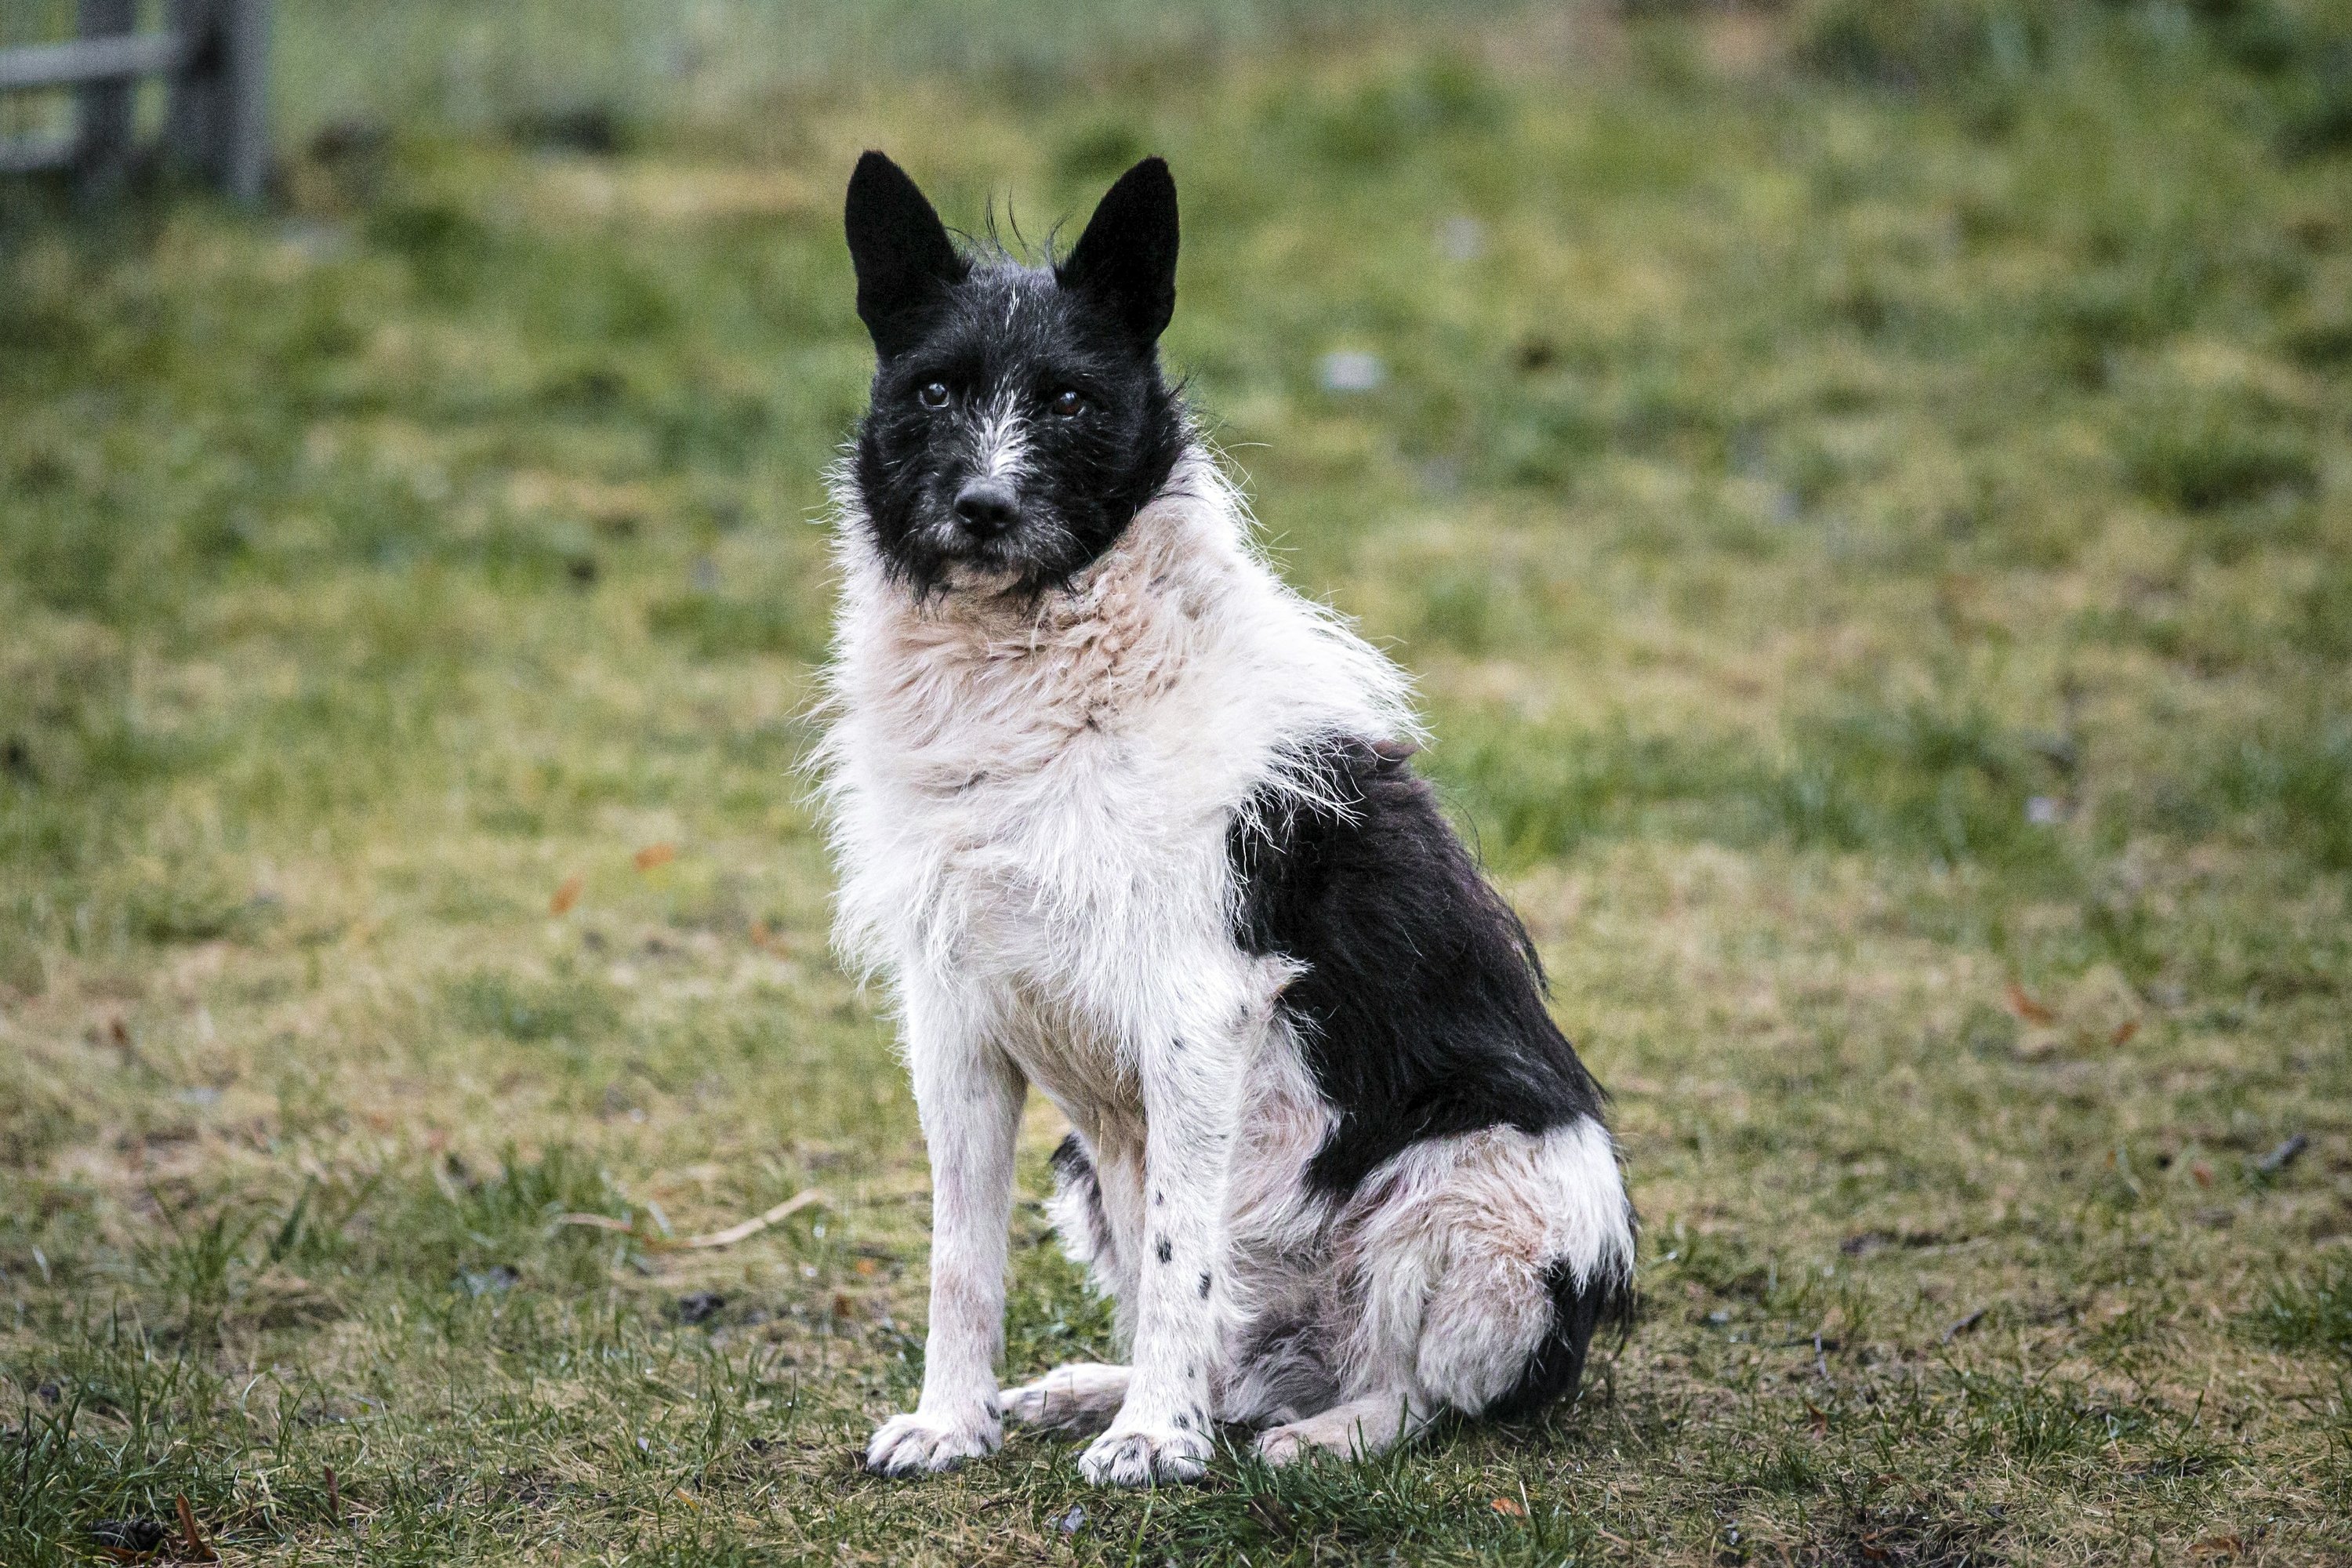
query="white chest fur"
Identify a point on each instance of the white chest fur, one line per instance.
(1030, 799)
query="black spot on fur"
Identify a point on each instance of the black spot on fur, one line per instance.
(1557, 1366)
(1205, 1285)
(1164, 1251)
(1421, 1006)
(1000, 339)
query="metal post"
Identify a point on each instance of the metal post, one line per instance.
(192, 107)
(245, 137)
(102, 137)
(218, 120)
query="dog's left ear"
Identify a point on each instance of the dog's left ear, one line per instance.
(1127, 258)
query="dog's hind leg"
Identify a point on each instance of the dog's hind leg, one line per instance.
(1081, 1395)
(1359, 1429)
(1479, 1270)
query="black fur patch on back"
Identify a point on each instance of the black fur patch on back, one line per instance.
(1421, 1008)
(1557, 1366)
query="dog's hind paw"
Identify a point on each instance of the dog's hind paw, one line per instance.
(924, 1444)
(1080, 1394)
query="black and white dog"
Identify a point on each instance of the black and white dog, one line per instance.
(1121, 816)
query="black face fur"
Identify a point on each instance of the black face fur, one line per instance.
(1019, 419)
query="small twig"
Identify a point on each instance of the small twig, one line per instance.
(599, 1222)
(2280, 1158)
(753, 1227)
(192, 1540)
(728, 1237)
(1964, 1325)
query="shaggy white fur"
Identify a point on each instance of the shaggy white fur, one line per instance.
(1029, 803)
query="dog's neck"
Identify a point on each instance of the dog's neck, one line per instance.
(1168, 561)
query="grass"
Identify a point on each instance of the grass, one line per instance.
(1866, 493)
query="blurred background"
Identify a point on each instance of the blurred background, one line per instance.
(1864, 489)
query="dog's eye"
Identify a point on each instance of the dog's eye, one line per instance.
(934, 394)
(1069, 403)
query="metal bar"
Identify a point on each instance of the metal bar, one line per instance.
(192, 104)
(105, 105)
(37, 154)
(245, 126)
(84, 60)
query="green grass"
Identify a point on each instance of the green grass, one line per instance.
(1866, 493)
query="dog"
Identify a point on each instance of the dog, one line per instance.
(1121, 816)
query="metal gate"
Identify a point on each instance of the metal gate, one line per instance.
(213, 55)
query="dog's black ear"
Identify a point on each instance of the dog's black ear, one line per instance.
(901, 251)
(1127, 258)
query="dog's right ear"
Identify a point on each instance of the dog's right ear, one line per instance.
(904, 259)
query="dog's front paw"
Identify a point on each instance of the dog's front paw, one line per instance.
(1140, 1457)
(920, 1445)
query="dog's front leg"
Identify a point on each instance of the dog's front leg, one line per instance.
(1163, 1432)
(969, 1094)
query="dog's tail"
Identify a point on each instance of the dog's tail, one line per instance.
(1076, 1211)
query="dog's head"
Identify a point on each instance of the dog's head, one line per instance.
(1019, 419)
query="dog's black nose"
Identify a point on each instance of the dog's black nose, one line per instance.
(986, 506)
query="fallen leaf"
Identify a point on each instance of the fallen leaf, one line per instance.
(1820, 1418)
(654, 854)
(868, 1267)
(193, 1547)
(1511, 1507)
(2124, 1032)
(2203, 1173)
(2026, 1007)
(566, 895)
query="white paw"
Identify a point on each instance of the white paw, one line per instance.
(926, 1445)
(1285, 1445)
(1034, 1404)
(1134, 1456)
(1080, 1395)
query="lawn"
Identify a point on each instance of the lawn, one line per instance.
(1865, 493)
